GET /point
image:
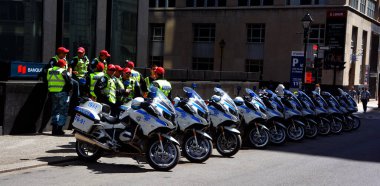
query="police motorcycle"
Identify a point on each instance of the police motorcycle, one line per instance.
(292, 116)
(192, 121)
(334, 116)
(277, 130)
(348, 107)
(142, 132)
(315, 112)
(308, 114)
(224, 118)
(252, 122)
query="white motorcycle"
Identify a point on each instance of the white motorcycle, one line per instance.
(252, 122)
(224, 118)
(142, 132)
(192, 120)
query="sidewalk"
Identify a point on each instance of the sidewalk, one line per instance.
(34, 150)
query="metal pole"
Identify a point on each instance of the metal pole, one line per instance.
(221, 63)
(305, 33)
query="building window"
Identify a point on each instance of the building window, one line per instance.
(157, 32)
(205, 3)
(354, 3)
(254, 65)
(371, 9)
(255, 33)
(255, 2)
(305, 2)
(362, 6)
(204, 32)
(123, 30)
(203, 64)
(156, 60)
(161, 3)
(317, 34)
(21, 30)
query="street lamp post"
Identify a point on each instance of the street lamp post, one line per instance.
(306, 23)
(222, 44)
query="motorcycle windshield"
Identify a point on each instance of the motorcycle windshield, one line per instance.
(347, 98)
(225, 97)
(306, 99)
(294, 99)
(256, 98)
(276, 99)
(161, 99)
(196, 98)
(319, 99)
(333, 102)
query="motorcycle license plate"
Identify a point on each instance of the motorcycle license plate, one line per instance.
(82, 123)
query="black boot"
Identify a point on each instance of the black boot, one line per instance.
(54, 130)
(60, 131)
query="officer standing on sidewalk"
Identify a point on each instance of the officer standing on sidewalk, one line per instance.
(59, 85)
(148, 80)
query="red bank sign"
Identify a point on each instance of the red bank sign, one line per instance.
(26, 69)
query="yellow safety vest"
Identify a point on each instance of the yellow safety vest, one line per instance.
(81, 66)
(119, 85)
(93, 78)
(110, 90)
(135, 75)
(56, 82)
(164, 86)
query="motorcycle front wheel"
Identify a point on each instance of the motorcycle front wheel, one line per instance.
(356, 123)
(258, 137)
(311, 130)
(323, 127)
(196, 150)
(228, 143)
(348, 125)
(277, 135)
(295, 132)
(336, 127)
(88, 152)
(162, 158)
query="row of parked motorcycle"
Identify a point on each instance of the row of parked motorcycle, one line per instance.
(157, 131)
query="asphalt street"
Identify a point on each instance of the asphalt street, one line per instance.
(351, 158)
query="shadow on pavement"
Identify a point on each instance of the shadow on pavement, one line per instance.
(359, 145)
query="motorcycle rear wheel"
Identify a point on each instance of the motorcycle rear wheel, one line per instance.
(87, 152)
(196, 153)
(162, 159)
(228, 144)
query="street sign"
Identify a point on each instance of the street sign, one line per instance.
(296, 68)
(20, 69)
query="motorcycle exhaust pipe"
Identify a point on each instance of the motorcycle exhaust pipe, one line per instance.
(90, 141)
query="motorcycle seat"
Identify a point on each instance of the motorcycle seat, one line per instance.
(110, 119)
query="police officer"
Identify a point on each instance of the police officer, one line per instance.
(59, 85)
(79, 64)
(162, 83)
(103, 55)
(148, 80)
(61, 54)
(105, 89)
(92, 78)
(119, 86)
(131, 86)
